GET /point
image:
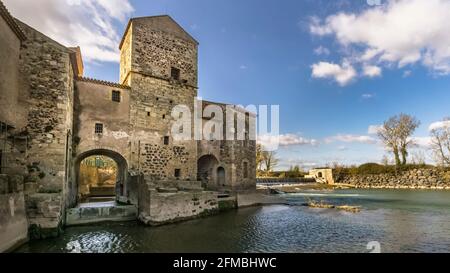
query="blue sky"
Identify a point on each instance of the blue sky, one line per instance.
(310, 57)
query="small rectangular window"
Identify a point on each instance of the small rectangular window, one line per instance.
(99, 128)
(1, 158)
(175, 73)
(115, 96)
(177, 173)
(166, 140)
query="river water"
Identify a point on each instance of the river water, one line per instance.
(399, 220)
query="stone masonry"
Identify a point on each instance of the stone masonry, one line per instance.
(427, 178)
(52, 117)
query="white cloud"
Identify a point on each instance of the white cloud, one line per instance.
(321, 51)
(372, 71)
(439, 125)
(342, 148)
(401, 32)
(285, 140)
(85, 23)
(342, 74)
(367, 96)
(352, 139)
(407, 73)
(243, 67)
(423, 142)
(374, 129)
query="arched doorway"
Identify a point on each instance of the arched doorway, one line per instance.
(221, 177)
(320, 175)
(206, 171)
(101, 175)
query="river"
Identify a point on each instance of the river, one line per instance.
(399, 220)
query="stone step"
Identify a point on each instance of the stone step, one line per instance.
(90, 213)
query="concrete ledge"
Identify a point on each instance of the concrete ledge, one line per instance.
(96, 213)
(258, 199)
(157, 208)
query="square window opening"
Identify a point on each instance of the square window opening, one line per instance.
(99, 128)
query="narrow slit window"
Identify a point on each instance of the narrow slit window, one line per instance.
(166, 140)
(115, 96)
(99, 128)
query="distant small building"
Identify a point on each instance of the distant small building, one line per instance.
(322, 175)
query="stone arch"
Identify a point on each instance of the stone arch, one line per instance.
(207, 171)
(319, 174)
(121, 188)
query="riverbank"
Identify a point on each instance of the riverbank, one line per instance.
(400, 220)
(418, 179)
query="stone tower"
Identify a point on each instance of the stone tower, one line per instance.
(159, 62)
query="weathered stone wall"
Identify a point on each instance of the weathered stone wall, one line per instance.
(13, 219)
(158, 44)
(434, 178)
(322, 175)
(10, 112)
(237, 157)
(152, 100)
(94, 105)
(158, 207)
(47, 87)
(125, 57)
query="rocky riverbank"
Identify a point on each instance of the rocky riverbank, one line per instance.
(432, 178)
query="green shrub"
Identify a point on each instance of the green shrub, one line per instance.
(375, 168)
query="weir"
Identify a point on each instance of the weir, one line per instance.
(89, 213)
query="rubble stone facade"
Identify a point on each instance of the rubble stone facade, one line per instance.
(52, 118)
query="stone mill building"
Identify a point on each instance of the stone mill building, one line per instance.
(52, 117)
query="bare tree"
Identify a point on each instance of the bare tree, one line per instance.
(396, 135)
(270, 160)
(440, 142)
(418, 157)
(407, 125)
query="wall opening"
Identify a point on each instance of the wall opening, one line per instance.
(115, 96)
(320, 175)
(101, 175)
(221, 176)
(206, 171)
(175, 73)
(97, 179)
(99, 128)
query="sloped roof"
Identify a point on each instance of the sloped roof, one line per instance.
(163, 23)
(11, 22)
(102, 82)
